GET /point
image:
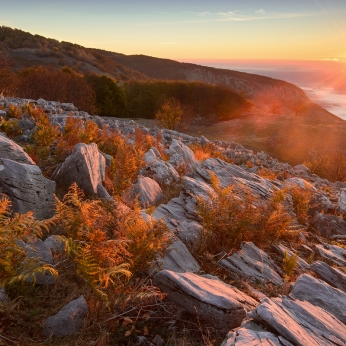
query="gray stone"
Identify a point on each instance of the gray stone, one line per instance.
(182, 155)
(85, 166)
(333, 276)
(55, 244)
(69, 107)
(3, 113)
(12, 151)
(68, 321)
(152, 155)
(281, 249)
(320, 294)
(3, 295)
(253, 264)
(162, 172)
(252, 334)
(28, 189)
(333, 253)
(328, 225)
(220, 304)
(300, 322)
(147, 191)
(177, 258)
(341, 207)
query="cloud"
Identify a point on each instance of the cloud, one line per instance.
(203, 14)
(227, 14)
(261, 11)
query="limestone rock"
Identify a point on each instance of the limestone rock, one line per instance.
(342, 201)
(182, 155)
(300, 322)
(254, 264)
(333, 276)
(85, 166)
(328, 225)
(55, 244)
(281, 249)
(28, 189)
(11, 150)
(68, 320)
(215, 301)
(333, 253)
(320, 294)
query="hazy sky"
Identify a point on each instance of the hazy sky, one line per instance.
(186, 30)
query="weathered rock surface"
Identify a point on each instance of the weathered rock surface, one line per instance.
(254, 264)
(333, 276)
(300, 322)
(328, 225)
(3, 294)
(12, 151)
(68, 320)
(252, 334)
(147, 190)
(281, 249)
(342, 201)
(86, 166)
(55, 244)
(28, 189)
(320, 294)
(218, 303)
(177, 259)
(182, 155)
(333, 253)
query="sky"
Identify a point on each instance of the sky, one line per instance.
(185, 30)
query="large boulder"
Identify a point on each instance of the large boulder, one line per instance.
(147, 191)
(300, 322)
(28, 189)
(320, 294)
(11, 150)
(333, 276)
(328, 225)
(220, 304)
(68, 321)
(253, 264)
(86, 166)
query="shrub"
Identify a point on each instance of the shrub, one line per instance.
(169, 115)
(14, 266)
(301, 198)
(10, 127)
(289, 264)
(204, 151)
(229, 217)
(267, 174)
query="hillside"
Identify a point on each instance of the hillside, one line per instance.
(23, 50)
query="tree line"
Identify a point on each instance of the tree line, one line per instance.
(132, 99)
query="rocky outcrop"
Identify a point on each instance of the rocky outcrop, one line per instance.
(328, 225)
(86, 167)
(12, 151)
(28, 189)
(300, 322)
(253, 264)
(333, 253)
(318, 293)
(220, 304)
(341, 207)
(68, 321)
(333, 276)
(281, 250)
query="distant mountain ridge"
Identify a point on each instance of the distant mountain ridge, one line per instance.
(24, 50)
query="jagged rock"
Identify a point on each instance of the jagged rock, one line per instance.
(147, 191)
(177, 258)
(320, 294)
(197, 188)
(26, 124)
(3, 294)
(69, 107)
(333, 253)
(342, 201)
(328, 225)
(68, 321)
(85, 166)
(230, 174)
(300, 322)
(152, 155)
(252, 334)
(182, 155)
(55, 244)
(302, 170)
(12, 151)
(333, 276)
(213, 300)
(28, 189)
(190, 233)
(3, 113)
(254, 264)
(281, 249)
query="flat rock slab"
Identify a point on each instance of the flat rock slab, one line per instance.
(252, 334)
(253, 264)
(28, 189)
(333, 253)
(86, 167)
(281, 249)
(213, 300)
(12, 151)
(300, 322)
(333, 276)
(319, 293)
(68, 320)
(328, 225)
